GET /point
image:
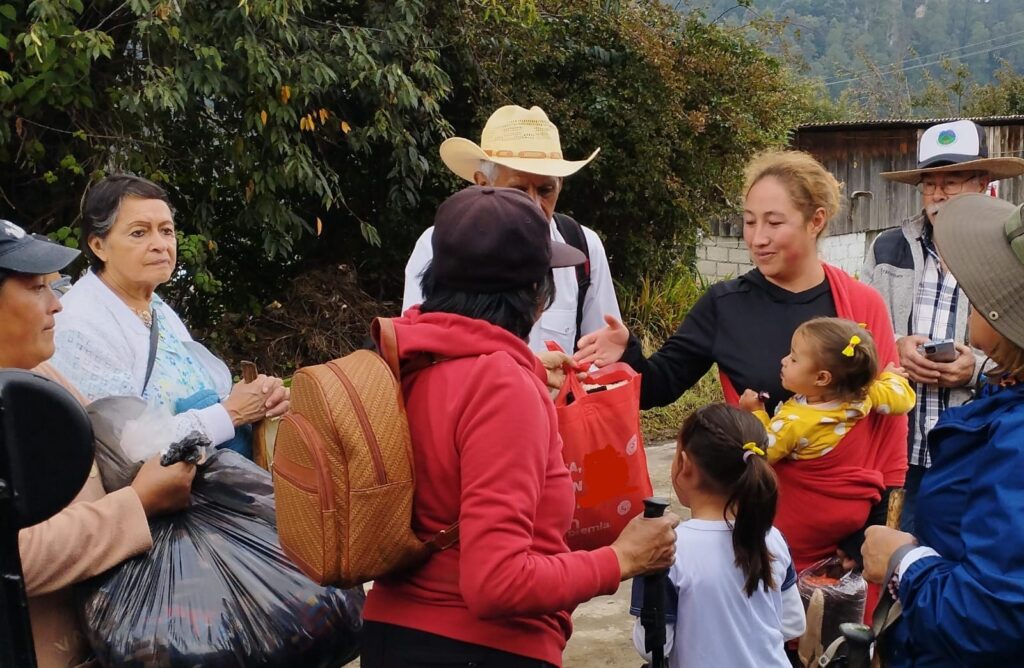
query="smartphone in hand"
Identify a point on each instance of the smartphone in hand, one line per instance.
(939, 351)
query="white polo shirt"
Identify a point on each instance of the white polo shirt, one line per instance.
(557, 323)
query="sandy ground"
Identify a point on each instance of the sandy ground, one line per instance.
(603, 628)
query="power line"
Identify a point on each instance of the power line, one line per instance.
(895, 67)
(926, 64)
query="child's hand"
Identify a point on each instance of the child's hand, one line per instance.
(898, 370)
(750, 401)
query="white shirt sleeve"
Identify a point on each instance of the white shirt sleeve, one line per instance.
(421, 255)
(794, 620)
(601, 299)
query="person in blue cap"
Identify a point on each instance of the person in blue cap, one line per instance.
(98, 530)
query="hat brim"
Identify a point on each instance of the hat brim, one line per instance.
(463, 157)
(971, 239)
(38, 257)
(564, 255)
(996, 168)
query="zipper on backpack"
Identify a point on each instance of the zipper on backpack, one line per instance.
(364, 422)
(314, 447)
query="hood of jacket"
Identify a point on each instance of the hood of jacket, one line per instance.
(453, 336)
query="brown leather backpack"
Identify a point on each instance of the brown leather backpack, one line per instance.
(343, 470)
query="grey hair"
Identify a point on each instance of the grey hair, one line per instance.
(102, 204)
(489, 170)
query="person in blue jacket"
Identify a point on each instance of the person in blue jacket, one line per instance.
(960, 576)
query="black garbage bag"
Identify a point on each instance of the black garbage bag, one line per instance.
(216, 590)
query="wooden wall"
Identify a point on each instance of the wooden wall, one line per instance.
(858, 154)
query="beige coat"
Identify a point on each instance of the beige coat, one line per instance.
(97, 531)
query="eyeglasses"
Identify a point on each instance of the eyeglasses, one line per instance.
(948, 187)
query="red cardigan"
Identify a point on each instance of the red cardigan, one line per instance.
(821, 501)
(488, 454)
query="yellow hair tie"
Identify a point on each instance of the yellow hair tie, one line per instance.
(848, 350)
(862, 325)
(752, 447)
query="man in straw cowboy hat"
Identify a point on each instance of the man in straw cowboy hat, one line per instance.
(925, 302)
(519, 148)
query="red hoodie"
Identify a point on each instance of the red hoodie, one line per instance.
(488, 455)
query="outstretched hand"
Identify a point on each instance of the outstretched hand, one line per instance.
(605, 346)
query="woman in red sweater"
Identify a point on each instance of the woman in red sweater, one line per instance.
(488, 455)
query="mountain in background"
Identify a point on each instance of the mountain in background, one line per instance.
(887, 56)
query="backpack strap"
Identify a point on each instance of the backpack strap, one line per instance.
(572, 232)
(383, 331)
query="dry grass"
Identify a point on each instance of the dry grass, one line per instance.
(653, 310)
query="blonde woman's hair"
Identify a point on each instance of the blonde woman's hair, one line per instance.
(810, 185)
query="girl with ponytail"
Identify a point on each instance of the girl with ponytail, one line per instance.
(732, 597)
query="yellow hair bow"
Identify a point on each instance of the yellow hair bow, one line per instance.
(752, 447)
(848, 350)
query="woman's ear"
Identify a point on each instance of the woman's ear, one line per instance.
(817, 222)
(96, 246)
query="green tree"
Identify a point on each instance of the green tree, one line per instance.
(300, 133)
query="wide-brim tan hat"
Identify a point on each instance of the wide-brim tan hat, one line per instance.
(995, 168)
(956, 146)
(976, 235)
(517, 138)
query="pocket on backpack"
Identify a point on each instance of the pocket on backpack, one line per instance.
(306, 516)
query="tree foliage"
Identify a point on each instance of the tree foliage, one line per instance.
(294, 133)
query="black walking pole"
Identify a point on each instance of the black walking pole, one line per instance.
(652, 614)
(46, 452)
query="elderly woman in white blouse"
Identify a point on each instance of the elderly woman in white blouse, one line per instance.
(116, 337)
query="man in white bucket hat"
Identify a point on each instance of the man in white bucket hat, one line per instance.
(925, 302)
(520, 148)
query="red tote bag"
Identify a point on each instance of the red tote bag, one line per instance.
(604, 450)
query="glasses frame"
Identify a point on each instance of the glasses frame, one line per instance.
(924, 189)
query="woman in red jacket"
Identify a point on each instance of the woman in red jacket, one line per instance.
(488, 455)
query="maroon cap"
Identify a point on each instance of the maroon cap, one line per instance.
(490, 239)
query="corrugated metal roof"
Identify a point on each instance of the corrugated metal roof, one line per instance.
(883, 123)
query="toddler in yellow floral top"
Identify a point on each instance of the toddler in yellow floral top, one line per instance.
(832, 369)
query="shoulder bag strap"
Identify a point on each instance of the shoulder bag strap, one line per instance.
(154, 341)
(573, 234)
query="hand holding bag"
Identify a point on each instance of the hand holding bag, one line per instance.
(602, 446)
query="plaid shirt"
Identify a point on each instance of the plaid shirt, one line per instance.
(934, 317)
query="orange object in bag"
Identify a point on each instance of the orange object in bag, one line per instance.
(599, 421)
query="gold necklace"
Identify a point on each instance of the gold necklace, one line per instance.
(145, 316)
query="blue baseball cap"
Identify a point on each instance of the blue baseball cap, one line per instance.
(31, 254)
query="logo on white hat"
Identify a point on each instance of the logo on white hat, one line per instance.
(11, 230)
(947, 137)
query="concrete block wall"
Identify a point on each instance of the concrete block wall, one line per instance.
(719, 258)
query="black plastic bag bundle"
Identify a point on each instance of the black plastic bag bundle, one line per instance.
(216, 590)
(831, 596)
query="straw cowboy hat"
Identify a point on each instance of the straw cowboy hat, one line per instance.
(981, 240)
(957, 146)
(521, 139)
